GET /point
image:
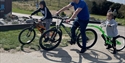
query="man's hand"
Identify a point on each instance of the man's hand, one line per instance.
(57, 13)
(68, 20)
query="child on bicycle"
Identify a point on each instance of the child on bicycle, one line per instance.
(46, 13)
(111, 29)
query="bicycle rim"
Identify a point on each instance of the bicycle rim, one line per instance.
(26, 36)
(50, 39)
(120, 43)
(91, 37)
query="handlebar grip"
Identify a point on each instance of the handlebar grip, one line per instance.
(30, 16)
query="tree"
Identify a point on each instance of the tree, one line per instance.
(121, 12)
(104, 7)
(115, 6)
(94, 9)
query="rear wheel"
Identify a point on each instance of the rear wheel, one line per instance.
(27, 35)
(50, 39)
(91, 37)
(120, 43)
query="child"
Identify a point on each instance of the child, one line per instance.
(111, 29)
(47, 16)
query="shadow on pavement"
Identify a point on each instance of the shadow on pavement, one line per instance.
(120, 57)
(27, 48)
(93, 55)
(58, 53)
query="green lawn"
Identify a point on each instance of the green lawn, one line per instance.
(100, 17)
(9, 40)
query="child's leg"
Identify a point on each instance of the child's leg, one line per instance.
(48, 23)
(114, 42)
(114, 45)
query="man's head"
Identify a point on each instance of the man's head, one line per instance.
(76, 1)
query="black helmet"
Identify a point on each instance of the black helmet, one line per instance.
(43, 3)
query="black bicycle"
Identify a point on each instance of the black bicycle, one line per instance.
(55, 36)
(27, 35)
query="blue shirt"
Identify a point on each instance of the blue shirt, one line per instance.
(84, 13)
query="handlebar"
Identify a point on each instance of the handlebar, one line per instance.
(59, 17)
(34, 20)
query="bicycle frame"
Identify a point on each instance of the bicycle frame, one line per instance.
(61, 24)
(103, 33)
(39, 27)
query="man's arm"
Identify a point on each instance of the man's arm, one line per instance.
(75, 13)
(64, 8)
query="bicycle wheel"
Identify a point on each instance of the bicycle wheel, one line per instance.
(91, 37)
(27, 35)
(50, 39)
(120, 43)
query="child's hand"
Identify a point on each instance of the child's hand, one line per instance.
(109, 25)
(39, 20)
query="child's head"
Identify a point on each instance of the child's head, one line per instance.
(42, 4)
(110, 15)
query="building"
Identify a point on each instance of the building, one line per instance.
(5, 7)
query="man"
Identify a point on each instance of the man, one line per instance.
(82, 14)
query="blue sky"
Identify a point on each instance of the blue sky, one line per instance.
(118, 1)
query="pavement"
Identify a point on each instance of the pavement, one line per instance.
(70, 54)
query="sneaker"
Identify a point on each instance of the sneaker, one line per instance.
(83, 50)
(46, 39)
(109, 46)
(71, 42)
(114, 52)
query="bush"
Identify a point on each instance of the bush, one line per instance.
(62, 14)
(121, 12)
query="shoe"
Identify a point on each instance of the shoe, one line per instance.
(83, 50)
(114, 52)
(71, 42)
(109, 46)
(105, 44)
(46, 39)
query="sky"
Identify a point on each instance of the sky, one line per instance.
(118, 1)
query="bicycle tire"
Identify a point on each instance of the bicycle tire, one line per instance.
(93, 43)
(32, 38)
(117, 39)
(45, 46)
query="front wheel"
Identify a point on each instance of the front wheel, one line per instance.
(120, 43)
(50, 39)
(91, 37)
(27, 35)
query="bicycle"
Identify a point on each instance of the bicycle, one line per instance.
(27, 35)
(55, 37)
(120, 40)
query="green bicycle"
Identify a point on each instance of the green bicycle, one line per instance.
(120, 40)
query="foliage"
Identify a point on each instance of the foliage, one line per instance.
(121, 12)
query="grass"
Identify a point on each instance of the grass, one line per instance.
(100, 17)
(9, 40)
